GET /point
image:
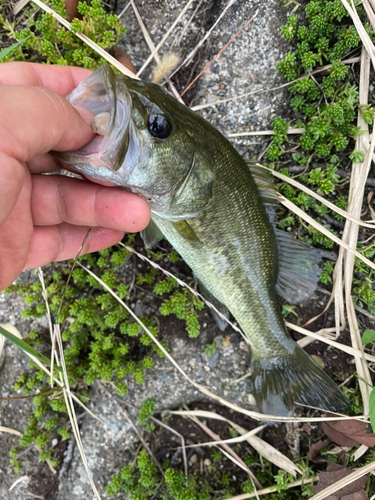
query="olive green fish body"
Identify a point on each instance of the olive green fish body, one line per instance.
(206, 203)
(235, 253)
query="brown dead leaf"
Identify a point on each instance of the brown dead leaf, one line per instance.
(226, 341)
(349, 433)
(358, 495)
(314, 452)
(123, 59)
(71, 8)
(306, 427)
(335, 472)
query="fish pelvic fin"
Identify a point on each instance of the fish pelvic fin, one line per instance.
(151, 234)
(280, 382)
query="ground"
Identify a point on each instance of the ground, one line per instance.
(246, 65)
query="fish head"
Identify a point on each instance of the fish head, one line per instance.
(146, 142)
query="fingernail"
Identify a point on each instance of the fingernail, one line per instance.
(86, 114)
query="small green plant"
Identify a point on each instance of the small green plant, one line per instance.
(145, 412)
(181, 303)
(325, 106)
(99, 340)
(210, 349)
(46, 39)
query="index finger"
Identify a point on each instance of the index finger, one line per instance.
(60, 79)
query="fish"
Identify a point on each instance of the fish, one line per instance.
(217, 211)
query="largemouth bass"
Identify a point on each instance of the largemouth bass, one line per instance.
(208, 204)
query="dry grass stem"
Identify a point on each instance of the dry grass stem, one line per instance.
(183, 446)
(70, 407)
(266, 491)
(356, 474)
(224, 448)
(87, 40)
(178, 38)
(87, 410)
(49, 319)
(359, 175)
(291, 131)
(190, 56)
(140, 437)
(322, 338)
(264, 449)
(64, 380)
(293, 208)
(152, 46)
(369, 8)
(334, 208)
(2, 338)
(366, 40)
(69, 276)
(10, 431)
(18, 481)
(124, 9)
(351, 60)
(19, 6)
(220, 52)
(359, 452)
(240, 439)
(177, 20)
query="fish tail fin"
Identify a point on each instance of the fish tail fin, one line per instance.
(282, 381)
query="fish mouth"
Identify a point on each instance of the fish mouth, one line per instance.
(104, 155)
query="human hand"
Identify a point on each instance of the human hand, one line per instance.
(45, 218)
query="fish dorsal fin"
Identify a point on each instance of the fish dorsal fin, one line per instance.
(299, 268)
(264, 181)
(151, 234)
(185, 230)
(299, 264)
(266, 188)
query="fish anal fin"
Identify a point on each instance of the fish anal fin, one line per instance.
(299, 268)
(221, 323)
(282, 381)
(151, 235)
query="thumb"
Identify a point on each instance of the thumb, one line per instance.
(35, 120)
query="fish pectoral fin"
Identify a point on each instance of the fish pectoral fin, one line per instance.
(280, 382)
(299, 268)
(221, 323)
(187, 232)
(151, 234)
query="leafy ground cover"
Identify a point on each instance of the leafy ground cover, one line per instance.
(102, 342)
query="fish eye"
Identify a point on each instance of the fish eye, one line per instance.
(159, 126)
